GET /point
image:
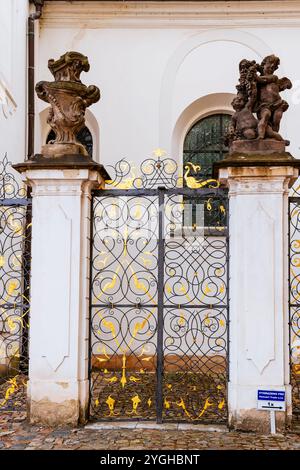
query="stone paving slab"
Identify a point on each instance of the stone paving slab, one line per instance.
(202, 427)
(98, 426)
(17, 434)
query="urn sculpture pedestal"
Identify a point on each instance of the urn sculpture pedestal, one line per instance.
(68, 98)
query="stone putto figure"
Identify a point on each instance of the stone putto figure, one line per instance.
(258, 105)
(68, 98)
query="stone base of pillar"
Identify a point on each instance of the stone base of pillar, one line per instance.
(58, 388)
(256, 421)
(244, 415)
(54, 414)
(66, 406)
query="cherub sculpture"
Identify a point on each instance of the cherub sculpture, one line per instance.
(243, 123)
(270, 106)
(258, 105)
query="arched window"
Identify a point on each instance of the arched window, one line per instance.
(204, 143)
(203, 146)
(84, 136)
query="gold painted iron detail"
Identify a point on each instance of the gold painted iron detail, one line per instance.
(135, 323)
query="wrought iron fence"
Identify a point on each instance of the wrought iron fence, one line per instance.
(294, 297)
(15, 235)
(159, 296)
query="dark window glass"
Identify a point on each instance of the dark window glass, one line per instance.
(203, 146)
(204, 143)
(83, 136)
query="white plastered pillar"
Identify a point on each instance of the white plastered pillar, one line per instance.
(59, 327)
(258, 308)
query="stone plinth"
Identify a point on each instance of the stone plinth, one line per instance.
(59, 326)
(257, 146)
(258, 266)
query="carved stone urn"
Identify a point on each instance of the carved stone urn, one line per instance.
(68, 98)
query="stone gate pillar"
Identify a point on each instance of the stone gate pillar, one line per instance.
(62, 178)
(258, 270)
(59, 326)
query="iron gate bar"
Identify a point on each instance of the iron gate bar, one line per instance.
(293, 200)
(90, 306)
(15, 202)
(9, 305)
(160, 307)
(26, 267)
(140, 306)
(202, 192)
(226, 202)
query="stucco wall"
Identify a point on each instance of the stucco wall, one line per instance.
(160, 66)
(13, 15)
(160, 70)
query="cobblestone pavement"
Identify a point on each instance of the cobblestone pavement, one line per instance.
(16, 433)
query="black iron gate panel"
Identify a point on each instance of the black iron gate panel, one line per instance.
(195, 308)
(15, 235)
(159, 299)
(124, 305)
(294, 301)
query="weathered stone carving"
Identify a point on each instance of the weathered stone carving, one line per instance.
(258, 106)
(68, 98)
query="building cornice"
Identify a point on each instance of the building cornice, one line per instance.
(151, 14)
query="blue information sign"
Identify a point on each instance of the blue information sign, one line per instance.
(271, 400)
(270, 395)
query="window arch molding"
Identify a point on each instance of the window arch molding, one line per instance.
(90, 122)
(215, 103)
(247, 39)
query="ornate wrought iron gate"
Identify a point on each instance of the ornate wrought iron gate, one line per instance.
(159, 297)
(15, 237)
(294, 300)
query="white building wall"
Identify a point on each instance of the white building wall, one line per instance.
(153, 60)
(13, 16)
